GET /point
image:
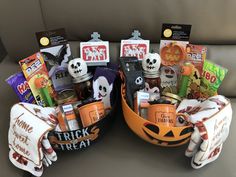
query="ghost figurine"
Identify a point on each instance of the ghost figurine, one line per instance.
(168, 79)
(151, 62)
(77, 67)
(103, 85)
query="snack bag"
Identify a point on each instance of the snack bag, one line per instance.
(212, 78)
(21, 87)
(196, 54)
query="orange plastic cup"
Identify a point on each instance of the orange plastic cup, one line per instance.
(91, 113)
(162, 114)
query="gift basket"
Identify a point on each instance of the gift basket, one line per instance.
(171, 99)
(65, 103)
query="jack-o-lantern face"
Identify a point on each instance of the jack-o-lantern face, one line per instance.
(172, 54)
(166, 136)
(154, 133)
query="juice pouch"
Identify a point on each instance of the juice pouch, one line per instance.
(212, 78)
(34, 68)
(196, 54)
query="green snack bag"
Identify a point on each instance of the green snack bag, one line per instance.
(212, 78)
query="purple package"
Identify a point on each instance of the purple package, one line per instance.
(21, 87)
(103, 81)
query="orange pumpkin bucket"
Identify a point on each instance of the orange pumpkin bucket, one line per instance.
(157, 134)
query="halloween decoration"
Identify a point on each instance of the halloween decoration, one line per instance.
(81, 78)
(174, 38)
(151, 62)
(103, 82)
(56, 51)
(95, 52)
(134, 46)
(211, 119)
(154, 133)
(172, 54)
(27, 136)
(134, 80)
(168, 79)
(21, 87)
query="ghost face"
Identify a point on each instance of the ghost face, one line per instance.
(77, 67)
(102, 90)
(168, 77)
(151, 62)
(168, 72)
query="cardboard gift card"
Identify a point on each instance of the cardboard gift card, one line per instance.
(174, 38)
(95, 52)
(134, 47)
(57, 53)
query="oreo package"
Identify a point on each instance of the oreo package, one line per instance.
(21, 87)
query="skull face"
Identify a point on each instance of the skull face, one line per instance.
(77, 67)
(151, 62)
(139, 81)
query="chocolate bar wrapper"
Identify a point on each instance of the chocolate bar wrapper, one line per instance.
(21, 87)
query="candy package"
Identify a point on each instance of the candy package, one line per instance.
(212, 78)
(196, 54)
(21, 87)
(36, 74)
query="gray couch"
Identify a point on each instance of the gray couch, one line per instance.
(120, 153)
